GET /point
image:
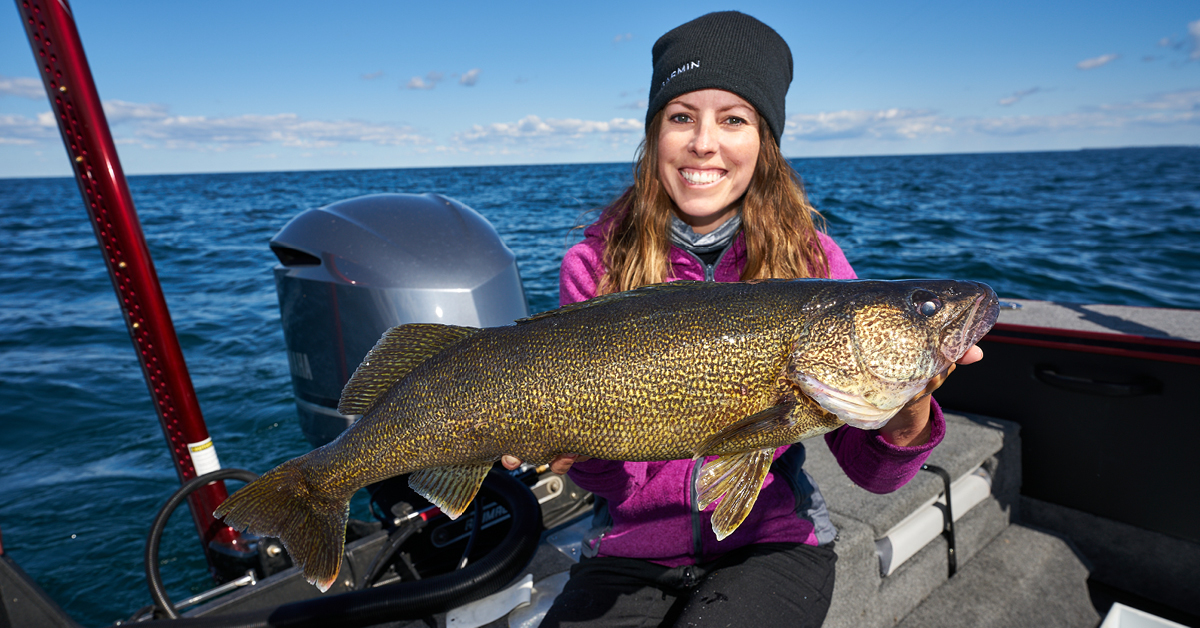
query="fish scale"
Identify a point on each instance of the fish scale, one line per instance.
(671, 371)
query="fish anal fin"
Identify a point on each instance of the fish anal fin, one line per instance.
(738, 478)
(398, 352)
(450, 488)
(752, 428)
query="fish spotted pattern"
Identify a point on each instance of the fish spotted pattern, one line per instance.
(671, 371)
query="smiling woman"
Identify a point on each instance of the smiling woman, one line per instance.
(714, 200)
(707, 149)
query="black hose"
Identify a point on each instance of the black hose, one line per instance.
(416, 599)
(476, 527)
(380, 562)
(153, 577)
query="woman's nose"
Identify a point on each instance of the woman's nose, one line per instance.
(704, 141)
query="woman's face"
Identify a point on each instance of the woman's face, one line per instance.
(707, 149)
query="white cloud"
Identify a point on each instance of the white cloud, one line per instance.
(372, 76)
(533, 127)
(429, 82)
(152, 125)
(1171, 108)
(1184, 102)
(623, 37)
(1017, 96)
(118, 111)
(1194, 32)
(882, 124)
(23, 87)
(23, 130)
(1095, 62)
(469, 78)
(286, 129)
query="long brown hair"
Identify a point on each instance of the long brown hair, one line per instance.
(777, 221)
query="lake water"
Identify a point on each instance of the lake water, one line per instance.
(83, 466)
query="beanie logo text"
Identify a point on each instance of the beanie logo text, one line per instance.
(690, 65)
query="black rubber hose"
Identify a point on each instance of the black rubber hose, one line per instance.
(417, 599)
(380, 562)
(153, 576)
(476, 528)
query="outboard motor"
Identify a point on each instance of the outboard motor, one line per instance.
(351, 270)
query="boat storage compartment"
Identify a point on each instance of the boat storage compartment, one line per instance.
(1104, 427)
(1104, 397)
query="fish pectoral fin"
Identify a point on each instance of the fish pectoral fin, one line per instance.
(737, 477)
(397, 352)
(769, 420)
(450, 488)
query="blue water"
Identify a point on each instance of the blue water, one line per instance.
(83, 467)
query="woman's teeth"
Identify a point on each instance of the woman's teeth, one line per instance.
(702, 177)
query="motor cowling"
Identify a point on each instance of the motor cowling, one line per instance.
(351, 270)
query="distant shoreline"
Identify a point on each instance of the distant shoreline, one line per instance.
(591, 163)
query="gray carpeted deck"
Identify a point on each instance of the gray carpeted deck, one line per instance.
(1158, 567)
(1025, 577)
(970, 441)
(862, 598)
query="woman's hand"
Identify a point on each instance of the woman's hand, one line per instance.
(560, 465)
(911, 427)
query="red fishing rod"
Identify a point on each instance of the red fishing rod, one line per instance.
(58, 52)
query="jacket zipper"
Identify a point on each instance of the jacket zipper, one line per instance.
(710, 270)
(697, 547)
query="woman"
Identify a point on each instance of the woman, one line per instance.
(714, 199)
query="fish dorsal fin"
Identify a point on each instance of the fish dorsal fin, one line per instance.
(398, 352)
(738, 477)
(450, 488)
(652, 289)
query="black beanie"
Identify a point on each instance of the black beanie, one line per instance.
(727, 50)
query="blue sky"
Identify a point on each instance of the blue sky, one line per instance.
(250, 86)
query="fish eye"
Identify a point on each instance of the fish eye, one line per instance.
(926, 302)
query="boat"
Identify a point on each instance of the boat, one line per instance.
(1058, 496)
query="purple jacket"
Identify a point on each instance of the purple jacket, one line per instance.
(650, 512)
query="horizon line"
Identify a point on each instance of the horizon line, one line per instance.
(597, 163)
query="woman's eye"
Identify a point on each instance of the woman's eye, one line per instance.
(736, 121)
(680, 118)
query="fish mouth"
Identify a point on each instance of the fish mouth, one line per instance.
(971, 325)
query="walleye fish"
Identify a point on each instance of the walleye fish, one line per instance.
(671, 371)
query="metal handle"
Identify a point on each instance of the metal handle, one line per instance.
(1049, 375)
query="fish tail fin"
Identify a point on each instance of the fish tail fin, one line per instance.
(309, 521)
